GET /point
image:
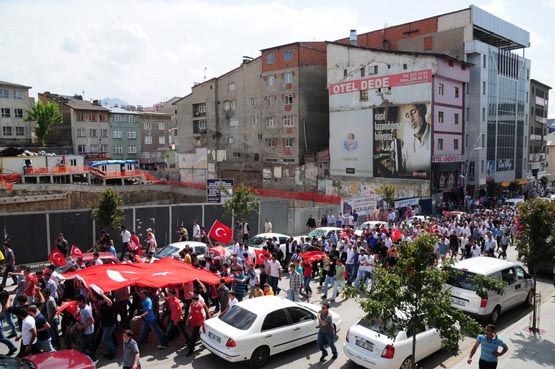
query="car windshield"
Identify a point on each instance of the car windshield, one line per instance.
(462, 279)
(317, 233)
(239, 318)
(376, 325)
(15, 363)
(166, 252)
(257, 240)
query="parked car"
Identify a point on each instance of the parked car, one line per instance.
(518, 289)
(370, 345)
(260, 240)
(255, 329)
(318, 233)
(373, 224)
(106, 257)
(52, 360)
(198, 248)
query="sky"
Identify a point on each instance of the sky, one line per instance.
(147, 51)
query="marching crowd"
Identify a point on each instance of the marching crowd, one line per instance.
(51, 314)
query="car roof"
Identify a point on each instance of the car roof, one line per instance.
(328, 228)
(182, 244)
(270, 235)
(484, 265)
(262, 304)
(89, 256)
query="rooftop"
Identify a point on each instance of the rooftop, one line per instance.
(10, 84)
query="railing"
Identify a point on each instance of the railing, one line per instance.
(56, 170)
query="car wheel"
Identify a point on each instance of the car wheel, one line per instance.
(259, 357)
(494, 315)
(406, 364)
(530, 299)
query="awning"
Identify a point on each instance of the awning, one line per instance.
(505, 184)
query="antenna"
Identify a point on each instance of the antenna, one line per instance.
(204, 74)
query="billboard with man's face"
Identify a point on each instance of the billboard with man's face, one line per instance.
(403, 141)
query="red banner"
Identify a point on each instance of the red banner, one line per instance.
(313, 256)
(221, 233)
(391, 80)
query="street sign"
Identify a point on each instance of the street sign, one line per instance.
(218, 191)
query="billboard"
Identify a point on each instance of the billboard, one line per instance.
(402, 141)
(218, 191)
(361, 205)
(351, 143)
(390, 80)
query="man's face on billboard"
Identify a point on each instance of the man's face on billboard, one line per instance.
(413, 115)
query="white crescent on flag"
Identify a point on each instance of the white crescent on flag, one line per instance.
(217, 232)
(115, 275)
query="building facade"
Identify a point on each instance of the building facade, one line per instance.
(497, 96)
(397, 117)
(539, 102)
(125, 134)
(154, 132)
(14, 103)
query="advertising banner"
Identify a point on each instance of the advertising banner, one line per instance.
(402, 141)
(351, 143)
(361, 205)
(218, 191)
(391, 80)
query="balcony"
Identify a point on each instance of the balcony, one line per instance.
(541, 120)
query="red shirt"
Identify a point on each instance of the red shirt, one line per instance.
(196, 317)
(30, 284)
(175, 306)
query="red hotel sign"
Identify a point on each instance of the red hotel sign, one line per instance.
(391, 80)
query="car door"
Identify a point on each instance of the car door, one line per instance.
(422, 347)
(522, 285)
(509, 298)
(276, 331)
(304, 325)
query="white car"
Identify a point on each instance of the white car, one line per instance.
(318, 233)
(260, 240)
(518, 289)
(372, 224)
(370, 346)
(255, 329)
(168, 251)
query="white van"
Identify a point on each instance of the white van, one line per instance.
(518, 289)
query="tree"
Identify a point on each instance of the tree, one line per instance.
(242, 202)
(109, 213)
(536, 238)
(387, 191)
(412, 294)
(46, 115)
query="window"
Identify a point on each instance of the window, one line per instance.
(456, 118)
(162, 140)
(227, 105)
(271, 142)
(456, 144)
(148, 126)
(260, 137)
(253, 102)
(233, 105)
(440, 143)
(92, 117)
(20, 131)
(18, 113)
(92, 132)
(270, 100)
(103, 133)
(81, 149)
(230, 140)
(482, 167)
(270, 122)
(288, 99)
(118, 150)
(81, 132)
(456, 92)
(287, 142)
(161, 126)
(200, 126)
(234, 122)
(131, 149)
(484, 61)
(131, 134)
(520, 273)
(17, 95)
(483, 87)
(148, 140)
(484, 140)
(275, 319)
(466, 141)
(440, 117)
(6, 112)
(254, 121)
(7, 131)
(270, 80)
(467, 118)
(440, 89)
(231, 87)
(288, 121)
(238, 318)
(288, 56)
(483, 114)
(102, 117)
(363, 95)
(103, 148)
(4, 93)
(116, 134)
(362, 72)
(270, 58)
(299, 315)
(527, 97)
(345, 72)
(508, 275)
(131, 118)
(288, 78)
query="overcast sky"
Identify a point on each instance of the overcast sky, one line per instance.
(146, 51)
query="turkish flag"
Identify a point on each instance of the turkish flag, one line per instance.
(260, 256)
(395, 234)
(70, 306)
(76, 251)
(56, 257)
(221, 233)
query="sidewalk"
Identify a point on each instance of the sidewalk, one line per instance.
(526, 350)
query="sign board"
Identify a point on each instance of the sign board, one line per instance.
(218, 191)
(372, 83)
(406, 202)
(447, 158)
(361, 205)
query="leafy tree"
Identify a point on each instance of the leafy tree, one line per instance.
(109, 213)
(536, 238)
(387, 191)
(46, 115)
(242, 202)
(413, 293)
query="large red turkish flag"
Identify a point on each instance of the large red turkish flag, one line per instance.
(56, 257)
(76, 251)
(220, 232)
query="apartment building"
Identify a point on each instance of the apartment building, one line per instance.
(539, 102)
(85, 128)
(497, 95)
(125, 134)
(14, 103)
(154, 132)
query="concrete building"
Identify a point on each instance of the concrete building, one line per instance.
(125, 134)
(85, 128)
(539, 102)
(14, 103)
(154, 131)
(496, 99)
(397, 117)
(550, 156)
(257, 122)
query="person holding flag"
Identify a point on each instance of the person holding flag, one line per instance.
(220, 233)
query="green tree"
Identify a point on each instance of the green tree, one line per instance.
(46, 115)
(108, 213)
(536, 238)
(412, 294)
(242, 203)
(387, 191)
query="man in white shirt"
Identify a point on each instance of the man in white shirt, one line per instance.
(28, 335)
(350, 262)
(267, 226)
(196, 231)
(125, 238)
(275, 275)
(96, 259)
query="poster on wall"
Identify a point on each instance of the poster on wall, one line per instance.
(402, 141)
(351, 143)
